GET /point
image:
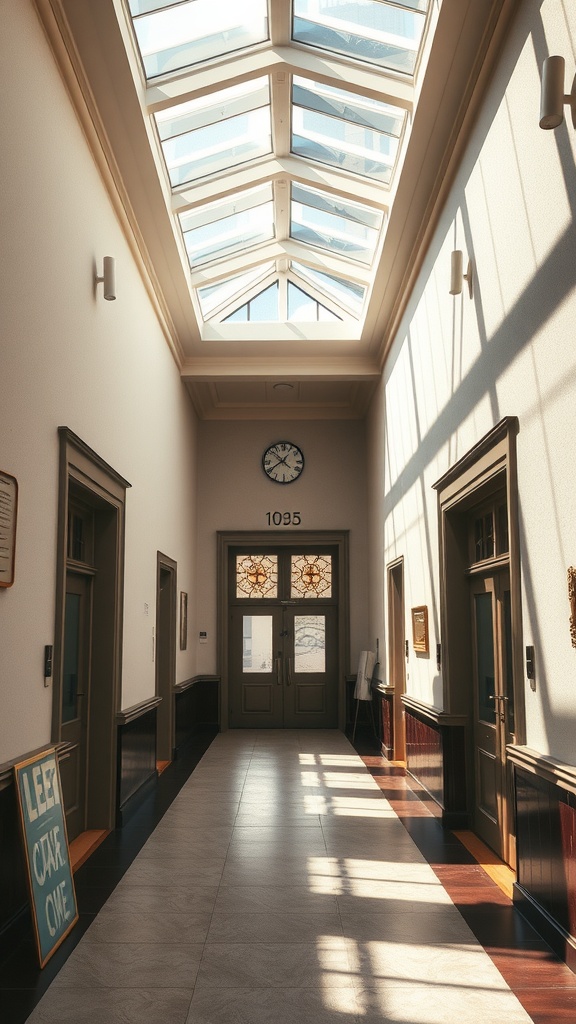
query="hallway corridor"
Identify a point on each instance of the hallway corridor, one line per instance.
(280, 886)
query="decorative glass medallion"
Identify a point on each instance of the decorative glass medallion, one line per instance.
(311, 576)
(256, 576)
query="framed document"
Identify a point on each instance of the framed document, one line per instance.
(183, 620)
(420, 629)
(8, 510)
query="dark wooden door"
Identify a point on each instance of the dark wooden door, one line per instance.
(75, 705)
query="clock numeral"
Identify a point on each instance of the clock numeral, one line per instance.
(284, 518)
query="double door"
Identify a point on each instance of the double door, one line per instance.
(493, 718)
(283, 649)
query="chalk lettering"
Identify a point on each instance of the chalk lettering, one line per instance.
(47, 855)
(57, 912)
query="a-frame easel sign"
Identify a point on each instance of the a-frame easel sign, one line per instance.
(50, 880)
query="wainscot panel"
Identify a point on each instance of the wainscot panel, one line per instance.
(196, 708)
(136, 756)
(436, 759)
(545, 891)
(383, 697)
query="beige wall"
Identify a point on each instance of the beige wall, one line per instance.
(459, 365)
(235, 494)
(68, 357)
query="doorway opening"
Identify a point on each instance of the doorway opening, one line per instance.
(165, 656)
(283, 630)
(396, 656)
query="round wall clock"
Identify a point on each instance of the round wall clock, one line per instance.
(283, 462)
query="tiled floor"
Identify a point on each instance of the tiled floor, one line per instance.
(291, 879)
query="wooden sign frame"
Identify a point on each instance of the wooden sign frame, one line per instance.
(45, 840)
(8, 516)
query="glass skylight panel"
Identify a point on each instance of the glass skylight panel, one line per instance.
(220, 294)
(348, 293)
(208, 135)
(345, 130)
(386, 34)
(305, 309)
(338, 225)
(179, 35)
(228, 225)
(261, 309)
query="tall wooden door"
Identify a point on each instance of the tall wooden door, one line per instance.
(75, 705)
(283, 650)
(493, 717)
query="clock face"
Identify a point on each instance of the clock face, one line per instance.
(283, 462)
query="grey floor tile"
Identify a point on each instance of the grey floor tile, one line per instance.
(153, 899)
(131, 965)
(274, 1006)
(155, 926)
(276, 965)
(439, 1003)
(271, 899)
(112, 1006)
(282, 926)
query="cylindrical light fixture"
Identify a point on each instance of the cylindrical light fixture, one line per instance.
(552, 93)
(109, 278)
(456, 271)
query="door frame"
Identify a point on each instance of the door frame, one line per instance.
(488, 467)
(83, 473)
(285, 538)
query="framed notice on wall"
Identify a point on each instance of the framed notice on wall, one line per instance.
(420, 629)
(8, 510)
(50, 881)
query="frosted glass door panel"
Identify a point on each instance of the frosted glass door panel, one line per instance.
(309, 643)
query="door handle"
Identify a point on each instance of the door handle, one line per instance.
(278, 671)
(289, 672)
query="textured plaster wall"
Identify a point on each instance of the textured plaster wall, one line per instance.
(67, 357)
(459, 365)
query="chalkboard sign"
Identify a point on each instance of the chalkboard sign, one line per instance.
(52, 894)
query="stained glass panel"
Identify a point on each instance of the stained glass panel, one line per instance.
(311, 576)
(256, 576)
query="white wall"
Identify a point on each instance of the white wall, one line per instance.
(459, 365)
(67, 357)
(235, 494)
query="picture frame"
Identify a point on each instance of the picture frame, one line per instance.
(183, 620)
(8, 516)
(420, 629)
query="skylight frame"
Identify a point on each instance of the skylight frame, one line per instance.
(220, 179)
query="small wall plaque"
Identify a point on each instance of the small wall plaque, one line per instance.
(420, 629)
(8, 510)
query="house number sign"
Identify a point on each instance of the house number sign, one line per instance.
(283, 518)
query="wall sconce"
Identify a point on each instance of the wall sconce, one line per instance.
(457, 274)
(552, 97)
(108, 278)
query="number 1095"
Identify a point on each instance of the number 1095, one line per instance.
(283, 518)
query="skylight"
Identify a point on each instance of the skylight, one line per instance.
(281, 126)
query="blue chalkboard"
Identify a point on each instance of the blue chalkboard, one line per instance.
(51, 885)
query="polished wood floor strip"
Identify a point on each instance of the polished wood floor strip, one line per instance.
(84, 845)
(499, 872)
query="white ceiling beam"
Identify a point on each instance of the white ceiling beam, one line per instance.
(360, 190)
(318, 259)
(257, 368)
(343, 74)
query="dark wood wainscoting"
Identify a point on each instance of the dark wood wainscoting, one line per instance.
(136, 755)
(545, 891)
(383, 702)
(436, 759)
(196, 708)
(13, 886)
